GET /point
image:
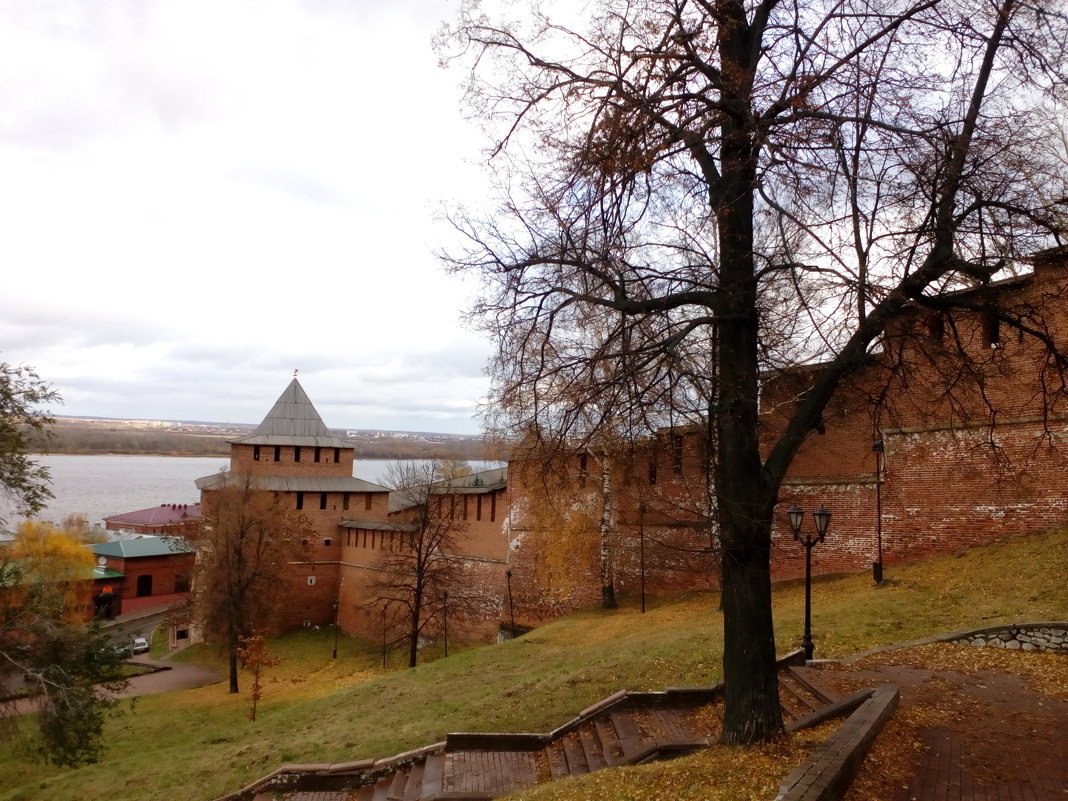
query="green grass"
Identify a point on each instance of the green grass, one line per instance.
(198, 744)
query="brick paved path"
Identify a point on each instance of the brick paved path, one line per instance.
(1003, 741)
(948, 771)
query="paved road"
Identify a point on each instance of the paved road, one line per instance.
(173, 676)
(123, 630)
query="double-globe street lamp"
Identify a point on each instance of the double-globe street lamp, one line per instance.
(822, 517)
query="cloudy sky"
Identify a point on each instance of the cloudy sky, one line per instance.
(199, 196)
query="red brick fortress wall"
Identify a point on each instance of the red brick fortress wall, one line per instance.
(972, 452)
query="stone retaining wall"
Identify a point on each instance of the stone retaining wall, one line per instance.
(1021, 637)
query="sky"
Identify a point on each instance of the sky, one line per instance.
(198, 197)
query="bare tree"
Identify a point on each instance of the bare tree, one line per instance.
(245, 545)
(418, 568)
(724, 188)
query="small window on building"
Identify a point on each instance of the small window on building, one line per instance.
(328, 541)
(652, 471)
(144, 586)
(278, 453)
(322, 500)
(584, 465)
(311, 581)
(337, 455)
(345, 496)
(181, 582)
(478, 507)
(936, 327)
(465, 508)
(677, 446)
(296, 453)
(300, 500)
(255, 453)
(318, 453)
(367, 501)
(493, 506)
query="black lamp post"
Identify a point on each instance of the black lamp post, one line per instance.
(641, 549)
(822, 518)
(335, 605)
(511, 608)
(445, 624)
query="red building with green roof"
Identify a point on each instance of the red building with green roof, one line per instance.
(140, 574)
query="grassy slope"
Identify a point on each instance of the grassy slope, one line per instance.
(198, 744)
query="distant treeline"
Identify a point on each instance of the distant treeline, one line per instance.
(98, 438)
(130, 441)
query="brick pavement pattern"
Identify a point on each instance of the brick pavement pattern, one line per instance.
(1008, 742)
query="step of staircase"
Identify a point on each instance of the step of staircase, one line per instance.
(624, 729)
(433, 771)
(798, 695)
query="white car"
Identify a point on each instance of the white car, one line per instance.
(140, 645)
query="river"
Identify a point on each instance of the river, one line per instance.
(98, 486)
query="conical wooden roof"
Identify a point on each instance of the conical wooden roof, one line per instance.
(293, 420)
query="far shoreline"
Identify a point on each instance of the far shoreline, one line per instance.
(82, 437)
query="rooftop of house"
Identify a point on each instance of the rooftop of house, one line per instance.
(139, 547)
(292, 483)
(162, 515)
(474, 483)
(293, 420)
(479, 483)
(375, 525)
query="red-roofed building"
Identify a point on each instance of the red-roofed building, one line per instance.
(167, 518)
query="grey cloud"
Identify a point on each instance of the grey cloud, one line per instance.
(46, 324)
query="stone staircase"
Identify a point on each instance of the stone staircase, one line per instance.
(623, 729)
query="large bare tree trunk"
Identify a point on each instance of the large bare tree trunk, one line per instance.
(710, 121)
(231, 645)
(413, 628)
(608, 585)
(751, 701)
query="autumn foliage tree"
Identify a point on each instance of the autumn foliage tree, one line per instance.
(46, 647)
(256, 657)
(245, 545)
(695, 192)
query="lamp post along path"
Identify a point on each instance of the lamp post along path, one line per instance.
(878, 449)
(336, 605)
(822, 519)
